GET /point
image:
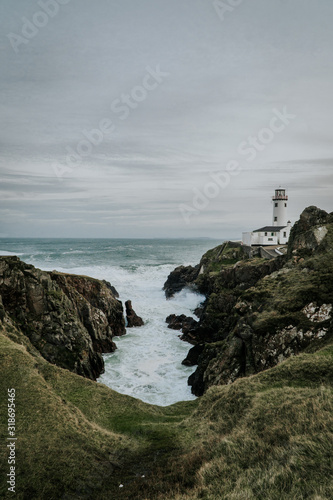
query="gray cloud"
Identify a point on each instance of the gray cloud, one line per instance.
(225, 78)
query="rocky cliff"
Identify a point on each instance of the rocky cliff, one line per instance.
(181, 277)
(258, 312)
(69, 319)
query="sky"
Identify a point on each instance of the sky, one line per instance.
(144, 119)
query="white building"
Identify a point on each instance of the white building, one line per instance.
(278, 232)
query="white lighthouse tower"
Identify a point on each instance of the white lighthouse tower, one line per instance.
(280, 208)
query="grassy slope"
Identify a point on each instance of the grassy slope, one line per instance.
(263, 437)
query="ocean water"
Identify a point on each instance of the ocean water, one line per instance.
(147, 364)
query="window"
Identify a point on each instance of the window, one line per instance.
(272, 234)
(275, 219)
(284, 234)
(265, 234)
(276, 204)
(270, 239)
(285, 204)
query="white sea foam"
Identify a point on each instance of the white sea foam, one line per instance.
(147, 363)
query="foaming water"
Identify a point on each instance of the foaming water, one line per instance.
(147, 364)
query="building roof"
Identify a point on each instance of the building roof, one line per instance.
(269, 229)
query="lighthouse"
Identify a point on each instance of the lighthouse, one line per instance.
(280, 208)
(276, 234)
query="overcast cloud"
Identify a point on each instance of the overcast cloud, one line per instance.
(204, 80)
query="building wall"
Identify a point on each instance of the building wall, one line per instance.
(267, 239)
(261, 238)
(284, 235)
(247, 238)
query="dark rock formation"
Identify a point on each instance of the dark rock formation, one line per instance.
(175, 322)
(181, 322)
(99, 295)
(198, 311)
(219, 363)
(132, 318)
(193, 355)
(223, 289)
(241, 275)
(69, 319)
(178, 279)
(184, 323)
(309, 231)
(111, 288)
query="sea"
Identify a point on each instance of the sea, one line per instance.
(147, 362)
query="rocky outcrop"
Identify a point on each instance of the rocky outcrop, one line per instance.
(241, 275)
(223, 289)
(69, 319)
(309, 231)
(174, 321)
(227, 264)
(219, 363)
(132, 318)
(193, 355)
(258, 313)
(184, 323)
(178, 279)
(248, 351)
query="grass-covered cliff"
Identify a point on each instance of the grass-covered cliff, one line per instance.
(265, 436)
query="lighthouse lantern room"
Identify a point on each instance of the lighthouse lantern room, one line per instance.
(280, 208)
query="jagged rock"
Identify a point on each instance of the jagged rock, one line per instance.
(184, 323)
(181, 322)
(198, 311)
(241, 275)
(189, 325)
(309, 231)
(69, 319)
(175, 322)
(218, 364)
(193, 355)
(111, 288)
(178, 279)
(132, 318)
(99, 295)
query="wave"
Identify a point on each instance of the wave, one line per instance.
(5, 253)
(73, 252)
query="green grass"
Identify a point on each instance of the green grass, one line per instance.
(263, 437)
